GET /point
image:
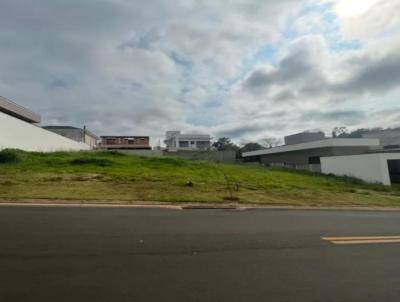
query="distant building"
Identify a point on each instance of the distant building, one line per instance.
(125, 143)
(176, 141)
(389, 139)
(18, 130)
(76, 134)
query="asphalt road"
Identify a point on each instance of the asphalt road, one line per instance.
(109, 254)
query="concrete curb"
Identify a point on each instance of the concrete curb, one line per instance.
(87, 205)
(184, 206)
(211, 207)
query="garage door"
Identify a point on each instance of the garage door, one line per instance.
(394, 170)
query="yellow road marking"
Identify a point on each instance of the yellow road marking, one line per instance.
(363, 239)
(360, 238)
(366, 241)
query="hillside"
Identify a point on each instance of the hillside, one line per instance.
(112, 177)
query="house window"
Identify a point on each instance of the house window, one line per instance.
(314, 160)
(203, 144)
(183, 144)
(131, 141)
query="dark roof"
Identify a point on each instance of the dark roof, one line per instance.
(61, 127)
(15, 110)
(124, 136)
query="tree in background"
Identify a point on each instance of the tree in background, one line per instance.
(340, 132)
(248, 147)
(343, 133)
(251, 147)
(270, 142)
(225, 144)
(360, 132)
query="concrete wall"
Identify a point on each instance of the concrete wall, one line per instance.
(17, 134)
(90, 140)
(75, 134)
(372, 168)
(301, 157)
(146, 153)
(71, 133)
(220, 156)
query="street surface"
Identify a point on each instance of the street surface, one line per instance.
(70, 254)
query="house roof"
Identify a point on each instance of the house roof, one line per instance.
(190, 136)
(124, 136)
(326, 143)
(22, 113)
(61, 127)
(194, 136)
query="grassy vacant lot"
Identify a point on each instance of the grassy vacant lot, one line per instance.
(113, 177)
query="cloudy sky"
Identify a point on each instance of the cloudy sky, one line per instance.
(246, 69)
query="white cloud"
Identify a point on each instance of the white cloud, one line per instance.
(363, 19)
(134, 67)
(316, 85)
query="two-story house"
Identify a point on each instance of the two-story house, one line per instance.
(175, 141)
(125, 142)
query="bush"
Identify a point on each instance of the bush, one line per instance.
(9, 156)
(101, 162)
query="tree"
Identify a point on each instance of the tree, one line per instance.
(270, 142)
(225, 144)
(251, 147)
(248, 148)
(360, 132)
(340, 132)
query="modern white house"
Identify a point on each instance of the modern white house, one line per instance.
(176, 141)
(308, 148)
(19, 130)
(362, 158)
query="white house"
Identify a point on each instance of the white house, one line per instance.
(362, 158)
(176, 141)
(18, 130)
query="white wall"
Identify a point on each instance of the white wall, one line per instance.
(17, 134)
(372, 168)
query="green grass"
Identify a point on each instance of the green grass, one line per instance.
(113, 177)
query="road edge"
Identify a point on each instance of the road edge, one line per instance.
(182, 206)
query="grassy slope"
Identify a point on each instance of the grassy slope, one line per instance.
(114, 177)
